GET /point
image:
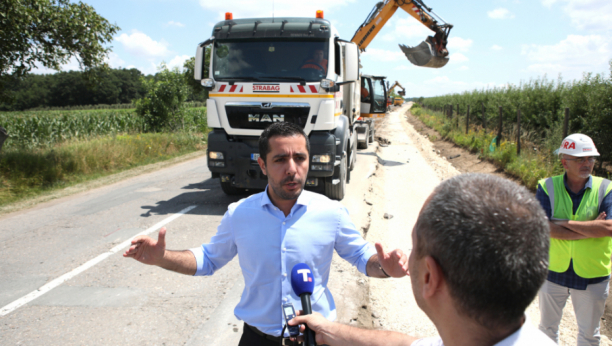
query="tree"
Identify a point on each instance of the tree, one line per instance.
(50, 32)
(163, 105)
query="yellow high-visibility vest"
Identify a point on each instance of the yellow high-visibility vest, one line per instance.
(591, 257)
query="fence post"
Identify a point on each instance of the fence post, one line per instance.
(518, 133)
(457, 116)
(467, 120)
(499, 131)
(484, 118)
(566, 123)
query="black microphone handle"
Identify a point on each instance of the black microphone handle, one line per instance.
(309, 335)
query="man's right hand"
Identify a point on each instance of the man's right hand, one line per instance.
(146, 250)
(321, 326)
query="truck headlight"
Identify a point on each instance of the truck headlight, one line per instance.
(327, 83)
(215, 155)
(321, 158)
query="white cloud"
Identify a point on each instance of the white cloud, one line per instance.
(570, 57)
(280, 8)
(173, 23)
(496, 47)
(381, 55)
(500, 13)
(463, 68)
(457, 58)
(178, 61)
(140, 44)
(459, 44)
(71, 65)
(114, 60)
(586, 14)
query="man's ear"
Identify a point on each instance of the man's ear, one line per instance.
(262, 165)
(433, 277)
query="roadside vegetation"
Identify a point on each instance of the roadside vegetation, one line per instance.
(531, 166)
(48, 150)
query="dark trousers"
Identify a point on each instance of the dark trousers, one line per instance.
(251, 338)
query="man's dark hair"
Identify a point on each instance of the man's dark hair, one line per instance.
(490, 236)
(282, 129)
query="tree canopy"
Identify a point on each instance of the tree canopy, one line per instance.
(49, 33)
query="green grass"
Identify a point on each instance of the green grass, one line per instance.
(27, 173)
(529, 167)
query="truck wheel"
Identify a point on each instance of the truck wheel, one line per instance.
(337, 191)
(364, 144)
(230, 189)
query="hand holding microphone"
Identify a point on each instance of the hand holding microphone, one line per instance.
(302, 282)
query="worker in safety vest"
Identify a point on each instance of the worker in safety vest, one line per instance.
(579, 207)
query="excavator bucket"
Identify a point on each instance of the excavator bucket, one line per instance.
(424, 55)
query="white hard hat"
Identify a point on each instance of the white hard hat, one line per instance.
(578, 144)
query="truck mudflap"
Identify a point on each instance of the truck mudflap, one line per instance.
(238, 168)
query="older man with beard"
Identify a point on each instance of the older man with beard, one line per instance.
(271, 232)
(579, 207)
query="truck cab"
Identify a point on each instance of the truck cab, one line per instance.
(266, 70)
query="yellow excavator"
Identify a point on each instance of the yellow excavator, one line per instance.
(398, 101)
(430, 53)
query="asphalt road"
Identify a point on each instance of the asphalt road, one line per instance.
(63, 280)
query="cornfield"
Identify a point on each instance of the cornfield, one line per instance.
(46, 128)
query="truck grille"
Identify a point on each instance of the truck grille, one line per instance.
(258, 115)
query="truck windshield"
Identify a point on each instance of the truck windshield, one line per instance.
(269, 59)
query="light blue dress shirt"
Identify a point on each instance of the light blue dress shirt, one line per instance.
(269, 244)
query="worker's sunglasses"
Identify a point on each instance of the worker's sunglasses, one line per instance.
(582, 160)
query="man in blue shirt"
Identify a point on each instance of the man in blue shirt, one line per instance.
(579, 207)
(272, 231)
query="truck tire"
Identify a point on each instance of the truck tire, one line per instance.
(230, 189)
(337, 191)
(364, 144)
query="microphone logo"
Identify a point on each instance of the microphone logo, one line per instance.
(305, 273)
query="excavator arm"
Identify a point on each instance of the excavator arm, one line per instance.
(430, 53)
(401, 93)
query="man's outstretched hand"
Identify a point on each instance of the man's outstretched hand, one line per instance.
(395, 263)
(146, 250)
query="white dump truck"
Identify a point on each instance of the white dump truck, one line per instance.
(266, 70)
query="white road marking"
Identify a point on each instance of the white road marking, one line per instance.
(60, 280)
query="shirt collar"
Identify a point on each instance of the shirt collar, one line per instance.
(303, 199)
(588, 185)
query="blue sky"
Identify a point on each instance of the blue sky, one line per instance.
(492, 43)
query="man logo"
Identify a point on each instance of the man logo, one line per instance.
(266, 118)
(266, 105)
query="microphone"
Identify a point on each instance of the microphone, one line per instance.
(302, 283)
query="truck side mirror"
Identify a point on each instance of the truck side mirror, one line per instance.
(351, 62)
(197, 68)
(199, 59)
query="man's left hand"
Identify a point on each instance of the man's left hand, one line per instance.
(395, 263)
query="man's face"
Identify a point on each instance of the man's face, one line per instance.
(286, 166)
(318, 56)
(576, 169)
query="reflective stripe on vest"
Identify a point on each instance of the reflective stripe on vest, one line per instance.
(591, 257)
